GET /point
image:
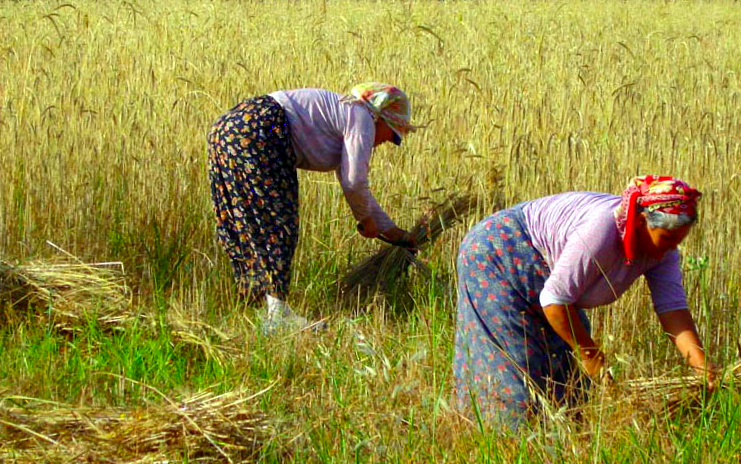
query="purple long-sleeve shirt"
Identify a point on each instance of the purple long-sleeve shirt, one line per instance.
(577, 235)
(327, 135)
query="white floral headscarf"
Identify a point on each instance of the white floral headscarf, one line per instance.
(385, 101)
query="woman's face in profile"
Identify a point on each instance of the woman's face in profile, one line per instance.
(655, 242)
(383, 132)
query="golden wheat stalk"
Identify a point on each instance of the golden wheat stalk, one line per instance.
(671, 393)
(640, 398)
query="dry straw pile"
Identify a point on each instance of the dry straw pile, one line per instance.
(201, 428)
(70, 296)
(66, 295)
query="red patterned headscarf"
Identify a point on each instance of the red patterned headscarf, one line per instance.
(653, 193)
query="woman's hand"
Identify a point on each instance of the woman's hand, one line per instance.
(709, 373)
(593, 360)
(368, 228)
(396, 234)
(680, 327)
(566, 323)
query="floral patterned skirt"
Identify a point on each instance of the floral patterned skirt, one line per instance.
(504, 346)
(254, 187)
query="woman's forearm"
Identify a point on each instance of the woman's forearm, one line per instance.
(567, 324)
(680, 327)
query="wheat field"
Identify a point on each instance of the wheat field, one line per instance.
(104, 110)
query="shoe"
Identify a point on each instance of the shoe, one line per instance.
(283, 321)
(281, 318)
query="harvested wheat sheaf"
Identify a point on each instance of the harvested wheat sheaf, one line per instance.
(70, 296)
(380, 271)
(669, 394)
(639, 399)
(66, 295)
(205, 427)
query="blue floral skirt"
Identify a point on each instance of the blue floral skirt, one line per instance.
(503, 342)
(254, 187)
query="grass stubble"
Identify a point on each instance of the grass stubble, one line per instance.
(103, 115)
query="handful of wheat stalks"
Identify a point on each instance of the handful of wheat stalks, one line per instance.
(381, 270)
(672, 393)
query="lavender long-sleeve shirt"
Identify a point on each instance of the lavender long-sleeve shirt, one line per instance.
(327, 135)
(577, 235)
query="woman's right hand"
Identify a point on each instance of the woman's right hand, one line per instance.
(368, 228)
(565, 321)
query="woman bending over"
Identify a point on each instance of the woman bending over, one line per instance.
(525, 275)
(254, 151)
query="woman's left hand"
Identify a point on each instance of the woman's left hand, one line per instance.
(680, 327)
(594, 361)
(368, 228)
(396, 234)
(709, 373)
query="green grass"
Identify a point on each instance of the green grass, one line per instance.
(104, 108)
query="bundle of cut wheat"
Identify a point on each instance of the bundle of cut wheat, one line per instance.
(630, 400)
(642, 399)
(66, 294)
(671, 393)
(69, 296)
(204, 427)
(383, 269)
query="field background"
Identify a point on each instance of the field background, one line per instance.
(104, 109)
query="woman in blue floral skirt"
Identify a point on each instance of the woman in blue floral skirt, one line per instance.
(526, 274)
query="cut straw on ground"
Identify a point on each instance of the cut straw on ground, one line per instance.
(645, 398)
(66, 295)
(204, 427)
(668, 394)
